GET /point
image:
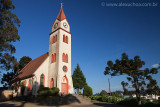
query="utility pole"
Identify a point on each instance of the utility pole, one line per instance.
(109, 90)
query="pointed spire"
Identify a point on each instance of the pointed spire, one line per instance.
(61, 16)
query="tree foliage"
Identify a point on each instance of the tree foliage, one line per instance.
(136, 76)
(7, 77)
(79, 80)
(103, 92)
(87, 91)
(8, 34)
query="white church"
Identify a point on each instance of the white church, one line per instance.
(52, 69)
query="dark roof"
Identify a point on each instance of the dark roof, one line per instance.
(31, 67)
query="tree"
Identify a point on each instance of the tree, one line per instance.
(136, 76)
(22, 63)
(87, 91)
(8, 34)
(103, 92)
(79, 81)
(6, 79)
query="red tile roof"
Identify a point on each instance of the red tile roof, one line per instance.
(61, 16)
(31, 67)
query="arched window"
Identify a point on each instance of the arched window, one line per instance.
(42, 80)
(63, 57)
(67, 39)
(66, 58)
(17, 87)
(52, 58)
(30, 84)
(64, 38)
(55, 38)
(52, 39)
(51, 83)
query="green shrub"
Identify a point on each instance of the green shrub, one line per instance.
(54, 91)
(87, 91)
(104, 99)
(48, 91)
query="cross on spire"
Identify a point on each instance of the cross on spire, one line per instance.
(61, 5)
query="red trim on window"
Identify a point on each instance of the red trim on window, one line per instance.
(64, 38)
(51, 83)
(54, 57)
(63, 57)
(17, 86)
(28, 83)
(66, 58)
(67, 39)
(31, 85)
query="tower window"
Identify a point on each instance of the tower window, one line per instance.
(65, 57)
(53, 58)
(54, 39)
(65, 39)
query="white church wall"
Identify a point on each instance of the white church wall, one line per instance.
(43, 69)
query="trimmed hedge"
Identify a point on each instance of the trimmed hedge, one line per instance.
(48, 91)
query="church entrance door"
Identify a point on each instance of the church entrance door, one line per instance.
(64, 85)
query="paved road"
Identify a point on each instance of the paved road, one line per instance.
(23, 104)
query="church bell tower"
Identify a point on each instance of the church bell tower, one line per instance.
(59, 74)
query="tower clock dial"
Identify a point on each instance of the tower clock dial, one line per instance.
(55, 26)
(65, 25)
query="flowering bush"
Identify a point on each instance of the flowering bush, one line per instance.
(105, 98)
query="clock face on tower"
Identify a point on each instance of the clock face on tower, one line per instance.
(55, 26)
(65, 68)
(65, 25)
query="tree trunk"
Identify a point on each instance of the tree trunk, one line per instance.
(138, 94)
(77, 91)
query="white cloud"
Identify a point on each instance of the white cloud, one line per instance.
(155, 65)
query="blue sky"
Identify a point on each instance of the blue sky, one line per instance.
(99, 33)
